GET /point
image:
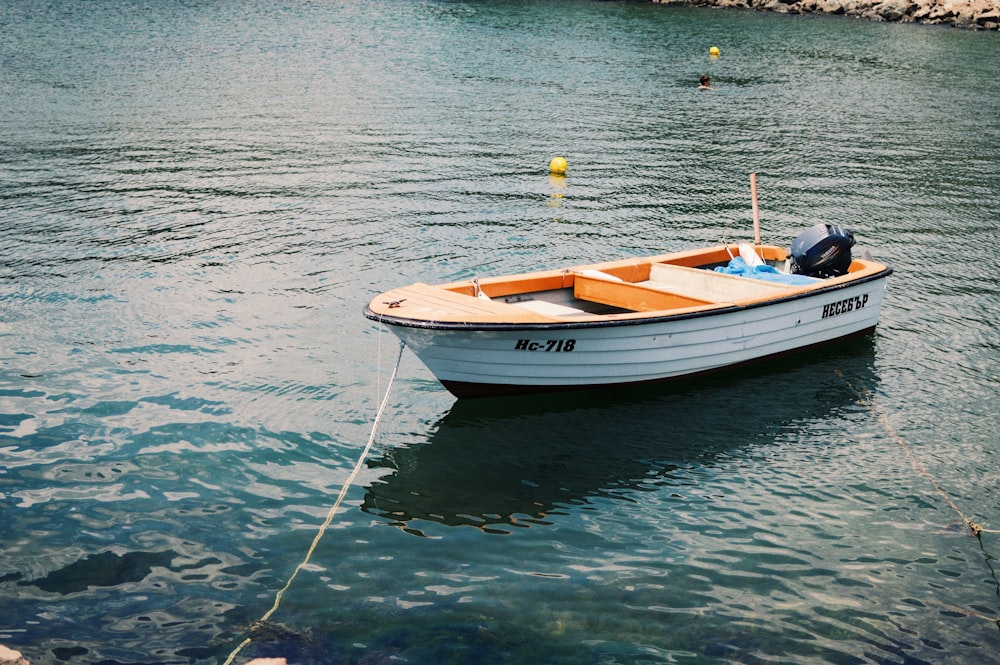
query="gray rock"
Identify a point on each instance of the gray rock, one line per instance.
(970, 14)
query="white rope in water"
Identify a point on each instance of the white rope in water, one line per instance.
(332, 511)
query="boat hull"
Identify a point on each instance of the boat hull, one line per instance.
(477, 360)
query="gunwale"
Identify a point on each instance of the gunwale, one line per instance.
(453, 306)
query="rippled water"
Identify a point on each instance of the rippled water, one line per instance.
(198, 198)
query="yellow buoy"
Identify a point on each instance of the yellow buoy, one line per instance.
(558, 165)
(714, 52)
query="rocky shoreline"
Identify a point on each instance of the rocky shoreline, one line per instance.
(9, 656)
(969, 14)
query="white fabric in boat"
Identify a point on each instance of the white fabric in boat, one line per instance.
(749, 255)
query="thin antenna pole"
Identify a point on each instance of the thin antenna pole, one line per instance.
(756, 211)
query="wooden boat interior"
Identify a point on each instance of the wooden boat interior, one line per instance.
(658, 285)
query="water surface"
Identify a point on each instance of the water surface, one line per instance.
(199, 198)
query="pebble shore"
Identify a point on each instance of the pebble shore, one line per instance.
(968, 14)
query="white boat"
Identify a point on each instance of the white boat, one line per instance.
(637, 319)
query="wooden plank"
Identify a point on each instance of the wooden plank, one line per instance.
(422, 302)
(498, 287)
(635, 297)
(712, 286)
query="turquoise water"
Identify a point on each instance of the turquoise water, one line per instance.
(198, 198)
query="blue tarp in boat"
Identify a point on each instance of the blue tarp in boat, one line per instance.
(737, 266)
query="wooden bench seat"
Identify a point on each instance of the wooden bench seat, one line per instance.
(675, 287)
(637, 297)
(711, 286)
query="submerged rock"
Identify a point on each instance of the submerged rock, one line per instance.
(11, 657)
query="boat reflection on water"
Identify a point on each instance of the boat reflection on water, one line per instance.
(513, 463)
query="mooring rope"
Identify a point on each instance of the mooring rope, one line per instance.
(976, 529)
(333, 510)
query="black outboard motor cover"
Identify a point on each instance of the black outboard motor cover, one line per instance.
(823, 250)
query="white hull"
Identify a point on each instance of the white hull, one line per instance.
(498, 359)
(627, 321)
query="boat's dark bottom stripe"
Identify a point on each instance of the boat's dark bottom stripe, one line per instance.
(464, 389)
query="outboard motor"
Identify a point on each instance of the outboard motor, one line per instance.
(823, 250)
